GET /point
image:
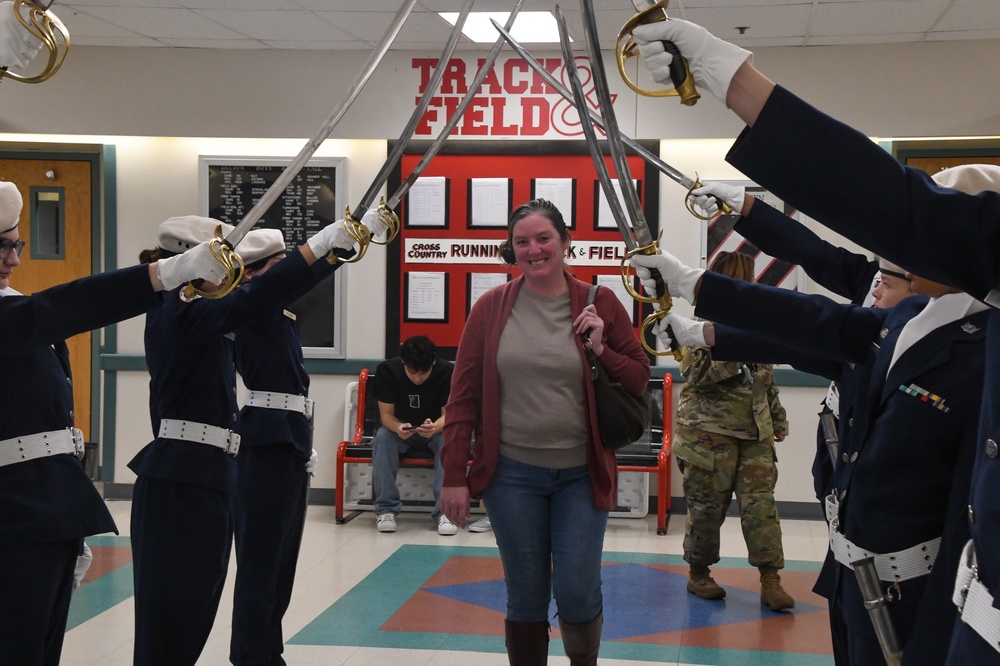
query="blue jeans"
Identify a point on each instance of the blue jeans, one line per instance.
(550, 537)
(387, 447)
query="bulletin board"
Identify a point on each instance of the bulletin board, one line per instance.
(455, 217)
(230, 186)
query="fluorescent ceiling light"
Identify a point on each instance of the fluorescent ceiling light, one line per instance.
(529, 27)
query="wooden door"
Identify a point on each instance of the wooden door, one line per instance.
(933, 164)
(57, 210)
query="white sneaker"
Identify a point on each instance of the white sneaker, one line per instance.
(386, 522)
(446, 527)
(481, 525)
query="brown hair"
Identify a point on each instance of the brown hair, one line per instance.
(540, 206)
(735, 265)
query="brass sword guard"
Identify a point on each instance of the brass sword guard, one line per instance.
(361, 235)
(230, 260)
(46, 27)
(626, 47)
(724, 208)
(664, 303)
(390, 220)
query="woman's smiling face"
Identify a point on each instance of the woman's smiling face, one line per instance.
(538, 248)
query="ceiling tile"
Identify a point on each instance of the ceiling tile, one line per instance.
(276, 25)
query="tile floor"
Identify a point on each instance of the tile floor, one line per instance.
(416, 598)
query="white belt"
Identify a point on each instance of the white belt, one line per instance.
(974, 601)
(269, 400)
(913, 562)
(41, 445)
(191, 431)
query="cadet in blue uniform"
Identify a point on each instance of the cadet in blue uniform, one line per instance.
(48, 502)
(907, 441)
(275, 426)
(853, 276)
(811, 161)
(182, 525)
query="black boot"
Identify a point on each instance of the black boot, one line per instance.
(582, 642)
(527, 643)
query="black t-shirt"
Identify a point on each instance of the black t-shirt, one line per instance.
(413, 404)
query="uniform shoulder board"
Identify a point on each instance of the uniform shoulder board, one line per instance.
(290, 315)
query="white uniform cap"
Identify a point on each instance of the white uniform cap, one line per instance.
(10, 206)
(180, 234)
(260, 244)
(970, 178)
(886, 266)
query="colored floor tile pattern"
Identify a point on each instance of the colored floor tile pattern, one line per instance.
(444, 598)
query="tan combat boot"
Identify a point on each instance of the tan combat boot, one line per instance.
(772, 594)
(702, 585)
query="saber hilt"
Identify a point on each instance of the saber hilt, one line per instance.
(626, 47)
(224, 253)
(49, 30)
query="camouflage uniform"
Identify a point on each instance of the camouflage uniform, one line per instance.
(727, 420)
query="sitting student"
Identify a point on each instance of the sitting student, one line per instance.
(412, 391)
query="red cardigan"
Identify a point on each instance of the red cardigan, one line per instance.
(474, 407)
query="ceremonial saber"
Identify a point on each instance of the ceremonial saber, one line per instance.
(666, 169)
(223, 249)
(580, 100)
(429, 154)
(404, 138)
(642, 241)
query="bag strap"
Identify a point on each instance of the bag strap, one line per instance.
(587, 344)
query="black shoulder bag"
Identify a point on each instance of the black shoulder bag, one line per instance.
(621, 416)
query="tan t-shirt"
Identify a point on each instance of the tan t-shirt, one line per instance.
(543, 420)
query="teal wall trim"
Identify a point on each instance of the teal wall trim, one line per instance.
(782, 377)
(112, 363)
(352, 366)
(109, 197)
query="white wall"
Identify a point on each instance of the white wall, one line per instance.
(162, 108)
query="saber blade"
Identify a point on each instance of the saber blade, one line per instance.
(612, 134)
(407, 134)
(429, 154)
(580, 102)
(308, 150)
(670, 172)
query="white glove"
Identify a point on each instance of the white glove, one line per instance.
(686, 332)
(83, 561)
(712, 61)
(375, 225)
(311, 463)
(707, 197)
(17, 45)
(329, 237)
(198, 262)
(679, 279)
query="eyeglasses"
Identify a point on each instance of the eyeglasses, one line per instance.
(7, 246)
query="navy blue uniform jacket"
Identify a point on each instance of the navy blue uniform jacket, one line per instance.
(193, 377)
(843, 272)
(834, 173)
(53, 499)
(908, 462)
(269, 357)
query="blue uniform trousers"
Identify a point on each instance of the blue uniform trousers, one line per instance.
(269, 514)
(40, 577)
(180, 549)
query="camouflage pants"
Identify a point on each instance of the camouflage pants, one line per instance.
(743, 467)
